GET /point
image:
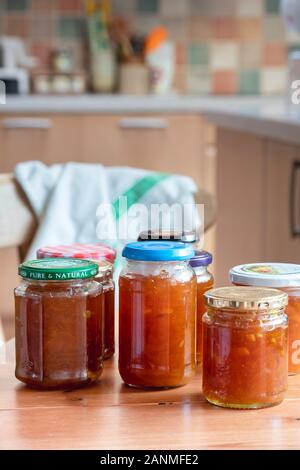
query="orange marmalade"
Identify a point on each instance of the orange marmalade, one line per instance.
(157, 310)
(245, 347)
(283, 276)
(59, 324)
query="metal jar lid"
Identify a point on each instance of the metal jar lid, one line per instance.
(246, 298)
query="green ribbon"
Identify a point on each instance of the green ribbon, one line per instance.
(137, 191)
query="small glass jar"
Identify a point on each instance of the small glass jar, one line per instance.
(105, 277)
(205, 281)
(283, 276)
(59, 324)
(104, 256)
(157, 315)
(245, 356)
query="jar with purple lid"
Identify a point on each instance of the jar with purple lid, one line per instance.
(205, 281)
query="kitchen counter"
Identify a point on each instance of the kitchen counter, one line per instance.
(261, 116)
(110, 415)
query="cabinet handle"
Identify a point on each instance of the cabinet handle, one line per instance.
(27, 123)
(143, 123)
(295, 199)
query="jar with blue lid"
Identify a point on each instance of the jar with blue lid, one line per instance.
(157, 315)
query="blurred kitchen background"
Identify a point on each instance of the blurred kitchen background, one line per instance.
(220, 47)
(195, 87)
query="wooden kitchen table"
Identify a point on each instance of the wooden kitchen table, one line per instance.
(110, 415)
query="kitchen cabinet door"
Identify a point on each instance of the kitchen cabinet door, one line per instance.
(240, 193)
(49, 138)
(282, 215)
(164, 142)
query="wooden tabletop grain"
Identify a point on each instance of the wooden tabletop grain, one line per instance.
(110, 415)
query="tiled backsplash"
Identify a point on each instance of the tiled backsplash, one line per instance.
(222, 46)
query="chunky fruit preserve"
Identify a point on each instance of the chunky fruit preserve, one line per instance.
(245, 347)
(59, 324)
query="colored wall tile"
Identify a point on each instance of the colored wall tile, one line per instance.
(147, 6)
(42, 51)
(224, 28)
(120, 6)
(41, 26)
(198, 54)
(205, 7)
(224, 7)
(142, 24)
(249, 82)
(174, 8)
(200, 28)
(250, 28)
(274, 29)
(70, 5)
(181, 53)
(250, 7)
(17, 5)
(70, 27)
(250, 54)
(199, 80)
(225, 82)
(178, 29)
(274, 55)
(180, 80)
(272, 6)
(224, 55)
(44, 5)
(16, 25)
(273, 80)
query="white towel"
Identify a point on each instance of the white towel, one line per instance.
(69, 200)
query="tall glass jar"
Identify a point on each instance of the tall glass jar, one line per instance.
(283, 276)
(245, 356)
(104, 256)
(205, 281)
(157, 315)
(59, 324)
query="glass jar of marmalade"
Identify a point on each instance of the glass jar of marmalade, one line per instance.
(104, 256)
(157, 315)
(245, 356)
(205, 282)
(283, 276)
(59, 324)
(105, 277)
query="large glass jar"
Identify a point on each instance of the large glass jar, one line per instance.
(104, 256)
(283, 276)
(205, 281)
(157, 315)
(59, 324)
(245, 356)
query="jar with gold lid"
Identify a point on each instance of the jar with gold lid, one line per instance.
(245, 347)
